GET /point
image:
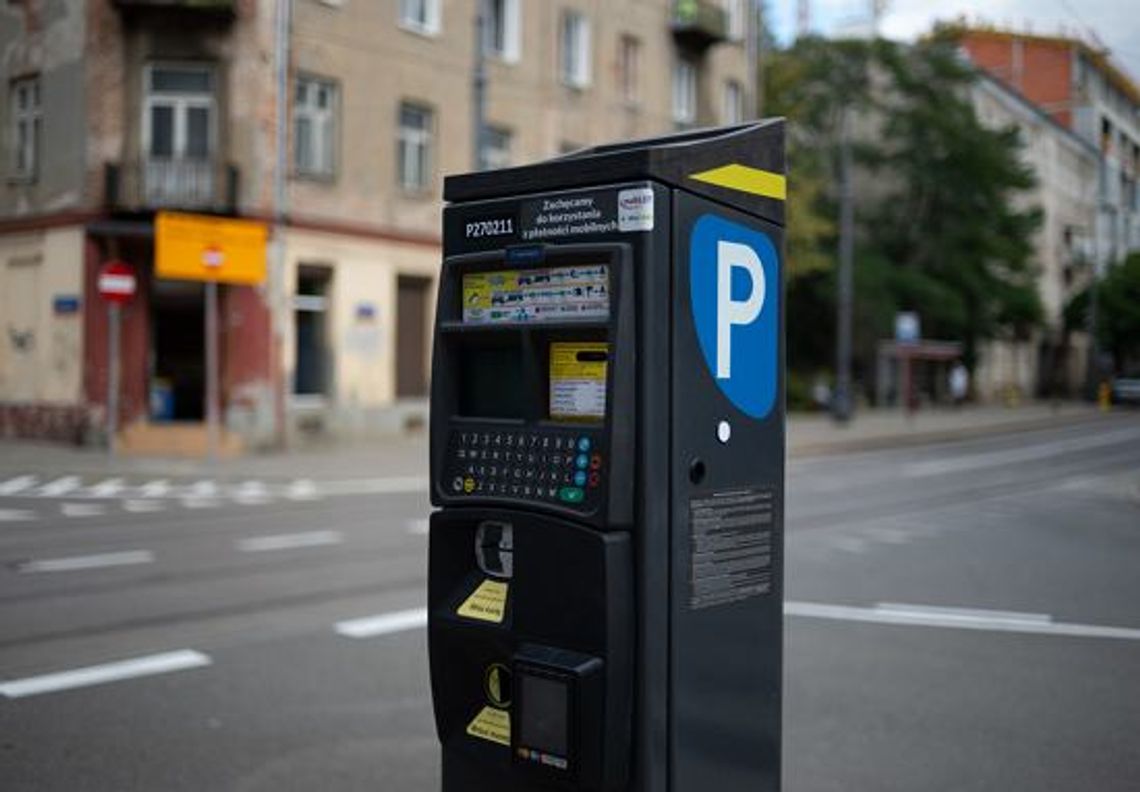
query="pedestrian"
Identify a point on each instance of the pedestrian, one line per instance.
(959, 383)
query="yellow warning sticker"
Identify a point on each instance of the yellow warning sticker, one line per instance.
(491, 724)
(750, 180)
(486, 603)
(578, 379)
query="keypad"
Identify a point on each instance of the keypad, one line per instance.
(558, 466)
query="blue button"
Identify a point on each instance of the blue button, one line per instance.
(582, 461)
(583, 444)
(580, 478)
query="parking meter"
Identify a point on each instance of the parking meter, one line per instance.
(607, 462)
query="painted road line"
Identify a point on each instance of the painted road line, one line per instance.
(97, 561)
(106, 489)
(143, 506)
(17, 485)
(259, 544)
(375, 486)
(302, 490)
(17, 515)
(82, 509)
(61, 486)
(202, 489)
(384, 624)
(1030, 453)
(958, 619)
(149, 665)
(158, 488)
(252, 493)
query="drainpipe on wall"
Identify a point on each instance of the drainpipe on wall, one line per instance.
(277, 301)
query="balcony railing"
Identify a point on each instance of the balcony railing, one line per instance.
(222, 7)
(172, 184)
(698, 24)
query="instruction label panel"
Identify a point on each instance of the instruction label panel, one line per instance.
(588, 212)
(732, 546)
(487, 603)
(578, 379)
(491, 724)
(534, 295)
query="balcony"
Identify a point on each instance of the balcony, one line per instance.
(187, 184)
(699, 24)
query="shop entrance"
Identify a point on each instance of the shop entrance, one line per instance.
(177, 351)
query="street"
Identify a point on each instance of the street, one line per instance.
(961, 616)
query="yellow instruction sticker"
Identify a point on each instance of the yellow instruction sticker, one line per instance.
(491, 724)
(535, 295)
(486, 603)
(578, 379)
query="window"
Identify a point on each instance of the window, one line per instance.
(315, 127)
(735, 18)
(25, 114)
(311, 361)
(629, 68)
(496, 148)
(684, 92)
(501, 29)
(733, 102)
(178, 113)
(575, 50)
(414, 154)
(421, 16)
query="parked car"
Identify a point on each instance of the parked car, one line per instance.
(1126, 390)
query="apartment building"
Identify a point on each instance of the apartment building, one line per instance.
(119, 109)
(1077, 82)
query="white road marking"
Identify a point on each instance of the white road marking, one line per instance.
(76, 563)
(383, 624)
(375, 486)
(302, 490)
(61, 486)
(16, 485)
(142, 506)
(958, 618)
(202, 489)
(82, 509)
(958, 464)
(258, 544)
(252, 493)
(155, 489)
(149, 665)
(17, 515)
(419, 527)
(106, 489)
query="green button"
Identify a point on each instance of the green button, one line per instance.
(572, 494)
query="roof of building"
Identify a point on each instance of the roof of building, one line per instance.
(1097, 55)
(1029, 106)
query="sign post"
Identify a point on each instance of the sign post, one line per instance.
(117, 285)
(213, 250)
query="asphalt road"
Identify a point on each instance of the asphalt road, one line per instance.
(961, 617)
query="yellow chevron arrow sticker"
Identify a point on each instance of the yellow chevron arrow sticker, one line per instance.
(750, 180)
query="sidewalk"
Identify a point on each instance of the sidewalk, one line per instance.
(808, 435)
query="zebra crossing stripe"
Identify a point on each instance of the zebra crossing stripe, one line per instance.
(16, 485)
(61, 486)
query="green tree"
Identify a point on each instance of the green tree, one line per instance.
(1118, 313)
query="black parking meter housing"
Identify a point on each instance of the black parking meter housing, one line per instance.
(607, 462)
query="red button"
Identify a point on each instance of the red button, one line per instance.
(594, 479)
(595, 461)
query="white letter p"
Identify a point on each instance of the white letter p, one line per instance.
(728, 311)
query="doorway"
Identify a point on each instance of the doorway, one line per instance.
(412, 295)
(178, 351)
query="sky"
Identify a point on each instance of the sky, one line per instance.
(1115, 22)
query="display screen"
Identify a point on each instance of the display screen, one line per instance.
(535, 295)
(578, 380)
(491, 382)
(545, 712)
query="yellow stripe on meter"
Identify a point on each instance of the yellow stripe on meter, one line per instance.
(745, 179)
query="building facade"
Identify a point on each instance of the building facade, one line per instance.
(118, 109)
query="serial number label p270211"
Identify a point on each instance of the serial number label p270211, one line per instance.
(501, 226)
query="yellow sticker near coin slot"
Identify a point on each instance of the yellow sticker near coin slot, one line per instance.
(578, 379)
(487, 603)
(491, 724)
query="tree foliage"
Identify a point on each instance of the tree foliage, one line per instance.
(939, 229)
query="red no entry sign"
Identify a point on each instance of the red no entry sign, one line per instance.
(117, 282)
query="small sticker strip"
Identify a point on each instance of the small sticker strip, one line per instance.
(491, 724)
(578, 379)
(487, 603)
